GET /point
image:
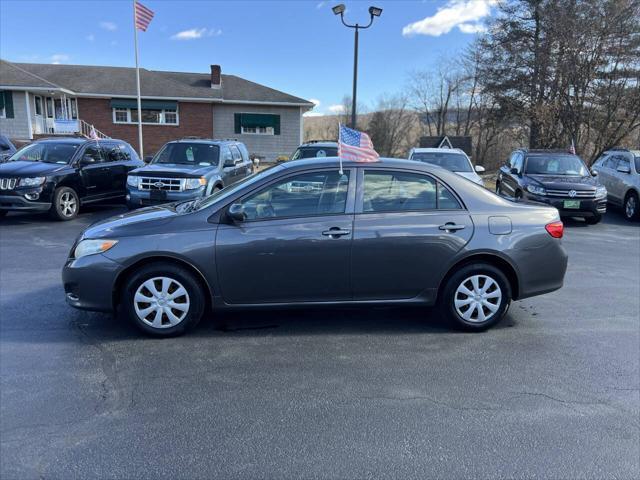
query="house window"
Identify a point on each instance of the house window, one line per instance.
(49, 103)
(257, 123)
(149, 116)
(6, 104)
(38, 103)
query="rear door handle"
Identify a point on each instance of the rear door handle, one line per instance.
(451, 227)
(335, 232)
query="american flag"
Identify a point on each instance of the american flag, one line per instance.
(572, 148)
(356, 146)
(143, 16)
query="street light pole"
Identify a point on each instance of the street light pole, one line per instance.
(373, 12)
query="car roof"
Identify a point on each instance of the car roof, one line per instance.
(436, 150)
(205, 140)
(334, 162)
(77, 140)
(319, 143)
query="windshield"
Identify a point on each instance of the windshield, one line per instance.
(202, 154)
(311, 152)
(46, 152)
(454, 162)
(556, 165)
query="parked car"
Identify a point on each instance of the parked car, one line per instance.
(619, 171)
(554, 177)
(388, 232)
(60, 175)
(453, 159)
(188, 169)
(6, 148)
(316, 148)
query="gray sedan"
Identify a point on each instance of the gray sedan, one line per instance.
(303, 233)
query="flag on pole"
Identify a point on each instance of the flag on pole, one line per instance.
(572, 148)
(93, 134)
(143, 16)
(355, 146)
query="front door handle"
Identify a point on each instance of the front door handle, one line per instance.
(335, 232)
(451, 227)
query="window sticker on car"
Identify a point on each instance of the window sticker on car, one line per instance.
(321, 153)
(189, 153)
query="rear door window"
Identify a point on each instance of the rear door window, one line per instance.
(395, 191)
(235, 153)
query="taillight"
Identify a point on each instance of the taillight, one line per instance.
(555, 229)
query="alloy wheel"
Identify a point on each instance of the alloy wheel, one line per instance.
(68, 204)
(630, 206)
(161, 302)
(477, 298)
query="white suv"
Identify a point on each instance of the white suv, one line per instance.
(452, 159)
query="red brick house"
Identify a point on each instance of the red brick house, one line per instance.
(43, 100)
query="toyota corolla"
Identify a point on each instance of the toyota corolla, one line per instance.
(304, 233)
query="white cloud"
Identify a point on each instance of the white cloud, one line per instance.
(195, 33)
(315, 101)
(91, 37)
(311, 113)
(321, 4)
(335, 109)
(463, 14)
(110, 26)
(59, 58)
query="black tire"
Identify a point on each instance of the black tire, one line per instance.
(593, 220)
(60, 210)
(195, 299)
(446, 301)
(518, 196)
(631, 214)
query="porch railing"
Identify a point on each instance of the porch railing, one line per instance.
(86, 130)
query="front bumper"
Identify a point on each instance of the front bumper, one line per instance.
(588, 207)
(20, 203)
(89, 282)
(142, 198)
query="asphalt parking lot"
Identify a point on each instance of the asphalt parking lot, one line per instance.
(552, 392)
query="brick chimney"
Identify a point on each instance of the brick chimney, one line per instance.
(216, 76)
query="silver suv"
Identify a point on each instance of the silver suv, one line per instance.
(619, 170)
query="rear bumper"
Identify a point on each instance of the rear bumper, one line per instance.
(590, 207)
(89, 281)
(542, 267)
(20, 203)
(142, 198)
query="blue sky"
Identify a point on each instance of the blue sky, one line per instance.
(296, 46)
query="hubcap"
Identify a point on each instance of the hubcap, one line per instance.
(630, 207)
(161, 302)
(68, 204)
(478, 298)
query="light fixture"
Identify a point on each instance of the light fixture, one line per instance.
(375, 11)
(339, 9)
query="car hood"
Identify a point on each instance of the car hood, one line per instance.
(22, 168)
(474, 177)
(137, 222)
(173, 170)
(564, 182)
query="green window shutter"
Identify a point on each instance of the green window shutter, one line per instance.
(258, 120)
(146, 104)
(237, 122)
(8, 104)
(276, 124)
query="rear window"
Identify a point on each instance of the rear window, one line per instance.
(202, 154)
(453, 162)
(311, 152)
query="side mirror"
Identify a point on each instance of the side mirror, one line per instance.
(87, 160)
(229, 162)
(594, 172)
(623, 169)
(479, 168)
(148, 159)
(236, 212)
(514, 171)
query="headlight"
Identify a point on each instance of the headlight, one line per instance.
(601, 192)
(536, 190)
(192, 183)
(91, 247)
(32, 181)
(132, 181)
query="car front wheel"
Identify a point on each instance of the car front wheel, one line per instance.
(476, 297)
(163, 299)
(597, 218)
(65, 204)
(631, 207)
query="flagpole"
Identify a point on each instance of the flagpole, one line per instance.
(340, 149)
(135, 40)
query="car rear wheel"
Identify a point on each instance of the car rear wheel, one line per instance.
(65, 204)
(631, 207)
(163, 300)
(476, 297)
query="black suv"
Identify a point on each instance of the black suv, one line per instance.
(555, 177)
(59, 175)
(316, 148)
